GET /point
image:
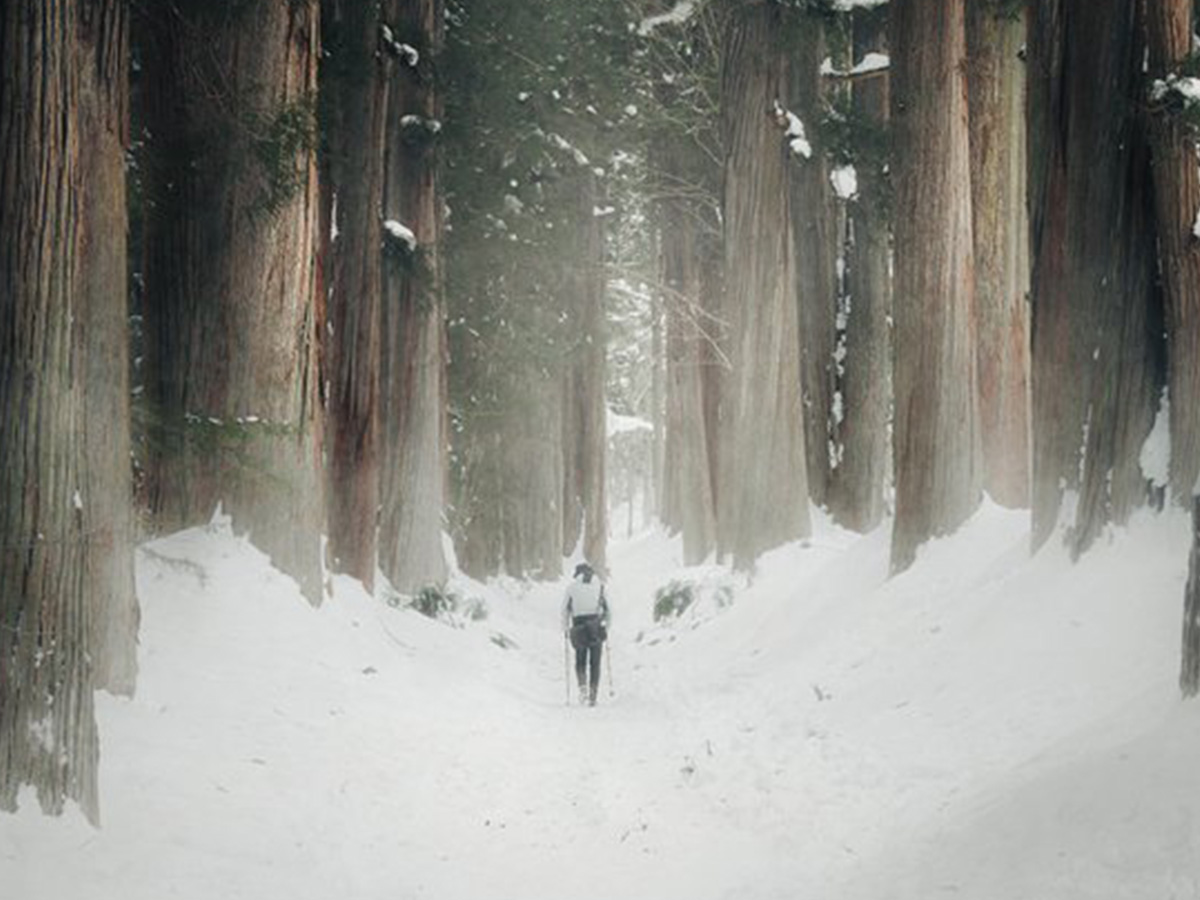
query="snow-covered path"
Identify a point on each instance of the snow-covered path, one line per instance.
(985, 726)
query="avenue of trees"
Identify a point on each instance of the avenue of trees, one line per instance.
(373, 275)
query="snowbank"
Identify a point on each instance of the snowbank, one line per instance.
(985, 725)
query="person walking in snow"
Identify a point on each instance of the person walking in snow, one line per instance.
(585, 617)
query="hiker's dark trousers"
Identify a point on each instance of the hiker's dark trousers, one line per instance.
(587, 637)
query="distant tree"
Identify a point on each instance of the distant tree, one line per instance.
(354, 81)
(763, 491)
(532, 130)
(1097, 321)
(585, 507)
(857, 484)
(937, 438)
(232, 321)
(684, 181)
(67, 610)
(1000, 226)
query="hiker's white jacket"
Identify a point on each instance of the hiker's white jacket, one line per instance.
(584, 598)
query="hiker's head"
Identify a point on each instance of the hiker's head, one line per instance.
(584, 571)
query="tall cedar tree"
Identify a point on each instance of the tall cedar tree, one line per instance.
(1097, 322)
(937, 440)
(104, 343)
(1177, 198)
(763, 494)
(354, 80)
(857, 487)
(414, 351)
(815, 230)
(66, 593)
(687, 490)
(232, 320)
(999, 222)
(585, 507)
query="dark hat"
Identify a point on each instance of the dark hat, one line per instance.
(583, 569)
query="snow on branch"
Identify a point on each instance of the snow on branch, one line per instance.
(794, 129)
(398, 49)
(1183, 88)
(566, 146)
(872, 65)
(400, 233)
(676, 15)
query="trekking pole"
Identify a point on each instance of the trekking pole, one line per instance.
(567, 669)
(608, 668)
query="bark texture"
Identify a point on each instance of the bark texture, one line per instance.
(1000, 226)
(865, 380)
(763, 492)
(47, 726)
(585, 439)
(1097, 329)
(103, 335)
(414, 352)
(231, 314)
(688, 499)
(937, 440)
(354, 81)
(1177, 200)
(815, 229)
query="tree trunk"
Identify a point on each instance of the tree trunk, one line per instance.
(1096, 321)
(103, 332)
(815, 229)
(1189, 670)
(355, 97)
(414, 352)
(47, 726)
(999, 223)
(231, 314)
(1177, 199)
(585, 438)
(857, 489)
(688, 505)
(763, 488)
(937, 440)
(657, 494)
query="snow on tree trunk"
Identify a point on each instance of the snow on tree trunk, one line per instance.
(354, 81)
(688, 502)
(996, 96)
(815, 229)
(106, 483)
(937, 440)
(232, 326)
(856, 493)
(763, 493)
(1177, 205)
(1096, 323)
(584, 425)
(48, 733)
(414, 348)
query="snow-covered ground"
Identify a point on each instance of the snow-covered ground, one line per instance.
(985, 726)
